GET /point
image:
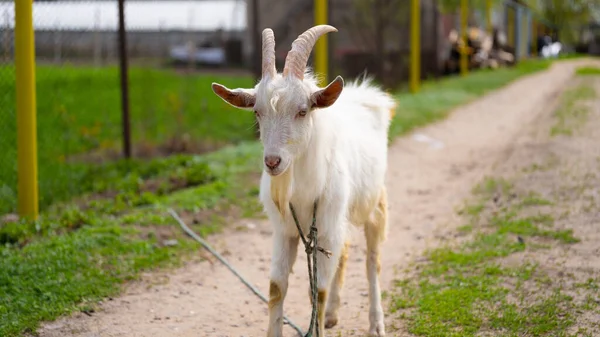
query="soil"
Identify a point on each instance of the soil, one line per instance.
(426, 184)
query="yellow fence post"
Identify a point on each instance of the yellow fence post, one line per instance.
(510, 30)
(415, 45)
(464, 17)
(321, 50)
(26, 110)
(488, 17)
(534, 36)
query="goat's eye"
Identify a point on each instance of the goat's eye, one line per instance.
(302, 113)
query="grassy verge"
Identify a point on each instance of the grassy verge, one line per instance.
(81, 251)
(79, 112)
(507, 273)
(483, 286)
(591, 71)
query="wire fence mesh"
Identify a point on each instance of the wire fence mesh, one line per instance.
(8, 140)
(78, 94)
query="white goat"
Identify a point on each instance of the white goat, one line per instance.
(315, 149)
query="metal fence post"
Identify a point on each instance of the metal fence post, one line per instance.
(124, 82)
(321, 50)
(26, 111)
(464, 17)
(415, 45)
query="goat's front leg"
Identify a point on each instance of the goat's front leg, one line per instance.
(284, 253)
(326, 268)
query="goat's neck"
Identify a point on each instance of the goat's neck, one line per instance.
(311, 168)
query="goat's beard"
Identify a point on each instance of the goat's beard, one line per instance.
(281, 190)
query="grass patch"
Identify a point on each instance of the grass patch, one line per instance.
(471, 288)
(588, 71)
(573, 111)
(79, 111)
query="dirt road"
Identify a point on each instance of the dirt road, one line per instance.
(426, 181)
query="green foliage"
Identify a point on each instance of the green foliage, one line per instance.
(565, 16)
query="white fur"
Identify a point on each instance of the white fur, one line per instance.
(336, 155)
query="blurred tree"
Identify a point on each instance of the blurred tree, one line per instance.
(565, 15)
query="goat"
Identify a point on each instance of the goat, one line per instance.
(327, 144)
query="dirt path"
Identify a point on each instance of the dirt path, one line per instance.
(425, 185)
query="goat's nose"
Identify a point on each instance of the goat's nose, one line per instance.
(272, 161)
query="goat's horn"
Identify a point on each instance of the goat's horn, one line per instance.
(296, 59)
(268, 53)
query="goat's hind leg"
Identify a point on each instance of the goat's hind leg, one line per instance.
(375, 232)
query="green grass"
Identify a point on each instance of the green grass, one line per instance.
(573, 111)
(79, 111)
(469, 289)
(588, 71)
(80, 251)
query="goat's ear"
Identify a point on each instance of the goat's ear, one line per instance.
(239, 98)
(328, 95)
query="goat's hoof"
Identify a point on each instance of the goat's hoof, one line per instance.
(377, 330)
(330, 321)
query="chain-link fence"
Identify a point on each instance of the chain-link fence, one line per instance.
(8, 134)
(175, 50)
